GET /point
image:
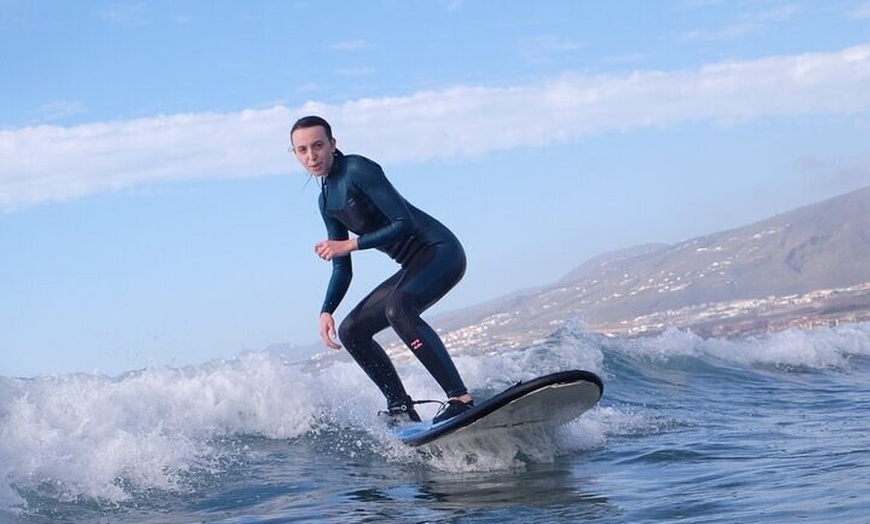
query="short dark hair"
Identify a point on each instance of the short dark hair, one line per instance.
(312, 121)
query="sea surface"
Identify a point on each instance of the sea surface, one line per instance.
(772, 429)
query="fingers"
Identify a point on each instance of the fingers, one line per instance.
(324, 250)
(329, 342)
(327, 336)
(329, 249)
(327, 331)
(320, 249)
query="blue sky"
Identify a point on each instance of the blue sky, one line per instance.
(151, 215)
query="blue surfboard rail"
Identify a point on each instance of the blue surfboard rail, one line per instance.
(422, 434)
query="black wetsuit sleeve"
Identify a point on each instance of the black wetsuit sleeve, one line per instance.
(342, 268)
(370, 179)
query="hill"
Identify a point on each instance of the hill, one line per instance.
(807, 267)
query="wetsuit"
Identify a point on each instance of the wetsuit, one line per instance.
(357, 197)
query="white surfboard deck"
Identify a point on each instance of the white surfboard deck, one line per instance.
(548, 401)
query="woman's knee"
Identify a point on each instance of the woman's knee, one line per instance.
(348, 331)
(400, 309)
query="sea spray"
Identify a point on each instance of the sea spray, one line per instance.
(206, 442)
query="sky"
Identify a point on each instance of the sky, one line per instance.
(150, 214)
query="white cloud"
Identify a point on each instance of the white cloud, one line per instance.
(356, 71)
(60, 109)
(350, 45)
(54, 163)
(453, 5)
(124, 14)
(45, 163)
(750, 23)
(544, 48)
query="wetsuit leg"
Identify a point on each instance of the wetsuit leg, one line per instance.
(356, 333)
(425, 280)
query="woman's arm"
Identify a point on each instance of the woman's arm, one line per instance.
(370, 178)
(342, 268)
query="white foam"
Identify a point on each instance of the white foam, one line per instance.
(97, 437)
(820, 348)
(87, 435)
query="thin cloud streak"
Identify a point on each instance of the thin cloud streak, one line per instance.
(861, 12)
(52, 163)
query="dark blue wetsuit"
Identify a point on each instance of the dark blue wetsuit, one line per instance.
(357, 197)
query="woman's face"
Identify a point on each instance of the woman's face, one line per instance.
(313, 149)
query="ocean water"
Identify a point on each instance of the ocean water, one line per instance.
(771, 429)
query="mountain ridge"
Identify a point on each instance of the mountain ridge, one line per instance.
(805, 267)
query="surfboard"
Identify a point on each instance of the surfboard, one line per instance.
(547, 401)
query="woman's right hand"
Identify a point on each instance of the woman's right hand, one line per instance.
(327, 331)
